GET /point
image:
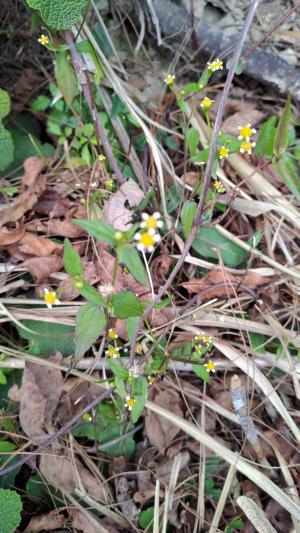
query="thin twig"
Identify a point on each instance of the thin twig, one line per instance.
(83, 81)
(207, 176)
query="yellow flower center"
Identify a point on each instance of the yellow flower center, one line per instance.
(112, 334)
(169, 80)
(151, 223)
(206, 103)
(224, 152)
(86, 417)
(210, 366)
(43, 40)
(146, 239)
(246, 131)
(246, 146)
(218, 186)
(50, 298)
(112, 352)
(130, 402)
(108, 184)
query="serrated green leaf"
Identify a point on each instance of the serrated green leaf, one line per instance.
(117, 370)
(10, 510)
(41, 103)
(90, 323)
(201, 372)
(209, 238)
(4, 103)
(201, 156)
(66, 78)
(282, 130)
(266, 138)
(131, 325)
(187, 215)
(126, 304)
(232, 143)
(288, 170)
(59, 14)
(102, 231)
(6, 148)
(140, 392)
(91, 294)
(120, 386)
(49, 337)
(72, 260)
(192, 138)
(128, 255)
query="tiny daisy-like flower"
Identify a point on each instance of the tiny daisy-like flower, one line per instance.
(218, 187)
(150, 379)
(169, 80)
(108, 184)
(151, 221)
(50, 298)
(198, 348)
(134, 371)
(206, 103)
(106, 290)
(101, 158)
(130, 403)
(207, 340)
(87, 417)
(223, 152)
(210, 366)
(43, 40)
(199, 337)
(246, 131)
(147, 240)
(112, 334)
(246, 146)
(112, 352)
(217, 64)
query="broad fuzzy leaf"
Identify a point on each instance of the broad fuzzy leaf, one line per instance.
(4, 103)
(66, 78)
(187, 215)
(126, 304)
(6, 148)
(209, 238)
(102, 231)
(90, 323)
(59, 14)
(72, 260)
(10, 510)
(266, 138)
(128, 255)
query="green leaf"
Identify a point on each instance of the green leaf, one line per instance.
(188, 213)
(289, 172)
(163, 303)
(102, 231)
(4, 103)
(206, 74)
(234, 524)
(72, 260)
(173, 199)
(282, 131)
(41, 103)
(10, 510)
(201, 372)
(192, 139)
(8, 459)
(120, 386)
(146, 517)
(201, 156)
(3, 379)
(49, 338)
(140, 392)
(232, 143)
(118, 370)
(90, 323)
(266, 138)
(257, 341)
(128, 255)
(59, 14)
(209, 238)
(91, 294)
(126, 304)
(189, 88)
(66, 78)
(6, 148)
(131, 325)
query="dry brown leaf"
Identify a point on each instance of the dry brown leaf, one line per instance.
(164, 467)
(82, 523)
(252, 280)
(8, 237)
(40, 392)
(123, 489)
(64, 228)
(160, 432)
(240, 112)
(190, 178)
(45, 522)
(31, 244)
(115, 213)
(61, 472)
(52, 204)
(33, 185)
(42, 267)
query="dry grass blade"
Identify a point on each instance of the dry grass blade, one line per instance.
(248, 366)
(222, 501)
(156, 508)
(256, 515)
(243, 466)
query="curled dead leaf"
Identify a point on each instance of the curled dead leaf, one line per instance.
(42, 267)
(45, 522)
(12, 236)
(115, 213)
(161, 432)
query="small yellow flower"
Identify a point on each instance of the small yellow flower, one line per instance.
(130, 403)
(206, 103)
(223, 152)
(198, 348)
(112, 334)
(151, 379)
(101, 158)
(147, 240)
(169, 80)
(199, 337)
(112, 352)
(151, 221)
(245, 132)
(87, 417)
(210, 366)
(50, 298)
(207, 340)
(217, 64)
(246, 146)
(43, 40)
(108, 184)
(218, 187)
